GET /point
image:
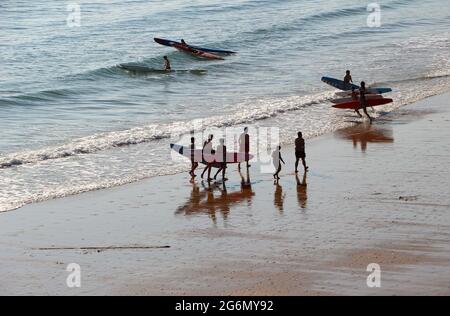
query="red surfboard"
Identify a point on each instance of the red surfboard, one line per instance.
(196, 52)
(199, 156)
(355, 105)
(350, 99)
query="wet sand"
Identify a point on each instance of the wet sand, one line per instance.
(375, 194)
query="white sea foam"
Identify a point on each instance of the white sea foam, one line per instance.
(102, 161)
(240, 114)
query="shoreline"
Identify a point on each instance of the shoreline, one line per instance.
(117, 183)
(361, 204)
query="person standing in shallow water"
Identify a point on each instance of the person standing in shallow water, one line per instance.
(167, 66)
(363, 100)
(300, 152)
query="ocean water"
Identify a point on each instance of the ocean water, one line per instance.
(71, 120)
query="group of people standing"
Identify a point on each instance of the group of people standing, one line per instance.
(220, 154)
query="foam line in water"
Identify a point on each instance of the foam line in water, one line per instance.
(241, 114)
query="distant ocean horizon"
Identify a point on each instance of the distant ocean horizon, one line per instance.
(72, 120)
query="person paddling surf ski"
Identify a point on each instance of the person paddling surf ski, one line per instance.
(167, 66)
(185, 45)
(363, 100)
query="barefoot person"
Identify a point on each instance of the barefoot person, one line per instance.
(300, 152)
(244, 146)
(363, 100)
(277, 160)
(167, 66)
(208, 151)
(194, 162)
(221, 157)
(355, 97)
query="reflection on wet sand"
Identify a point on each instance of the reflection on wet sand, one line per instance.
(302, 194)
(214, 198)
(279, 197)
(366, 133)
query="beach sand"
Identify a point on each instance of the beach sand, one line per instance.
(375, 194)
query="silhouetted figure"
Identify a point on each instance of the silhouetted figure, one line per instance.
(348, 80)
(302, 194)
(277, 160)
(355, 97)
(208, 153)
(244, 147)
(363, 100)
(184, 43)
(194, 163)
(300, 152)
(221, 157)
(167, 66)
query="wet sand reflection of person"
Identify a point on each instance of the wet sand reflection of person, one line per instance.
(223, 202)
(246, 187)
(279, 197)
(364, 134)
(302, 194)
(207, 202)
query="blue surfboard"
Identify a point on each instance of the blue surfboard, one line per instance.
(341, 85)
(170, 43)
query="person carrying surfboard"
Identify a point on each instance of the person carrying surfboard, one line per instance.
(167, 66)
(244, 146)
(194, 163)
(300, 152)
(277, 160)
(363, 100)
(208, 150)
(355, 98)
(221, 157)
